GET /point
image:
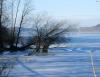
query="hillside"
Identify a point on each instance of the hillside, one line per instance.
(94, 29)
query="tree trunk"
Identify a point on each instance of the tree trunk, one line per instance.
(1, 45)
(37, 49)
(45, 49)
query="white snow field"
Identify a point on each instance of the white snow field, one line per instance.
(58, 63)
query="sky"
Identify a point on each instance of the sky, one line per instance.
(81, 12)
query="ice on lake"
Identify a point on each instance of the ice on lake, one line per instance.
(57, 63)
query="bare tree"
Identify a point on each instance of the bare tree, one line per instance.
(26, 10)
(48, 32)
(3, 29)
(16, 15)
(1, 11)
(3, 39)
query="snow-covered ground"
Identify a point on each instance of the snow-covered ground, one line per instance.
(57, 63)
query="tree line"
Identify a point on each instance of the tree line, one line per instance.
(16, 14)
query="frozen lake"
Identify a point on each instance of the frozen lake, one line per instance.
(84, 40)
(75, 61)
(58, 63)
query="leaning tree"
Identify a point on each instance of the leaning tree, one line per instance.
(47, 32)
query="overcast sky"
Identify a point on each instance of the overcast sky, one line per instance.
(83, 12)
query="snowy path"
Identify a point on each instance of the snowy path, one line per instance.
(60, 64)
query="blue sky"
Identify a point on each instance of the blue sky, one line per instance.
(82, 12)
